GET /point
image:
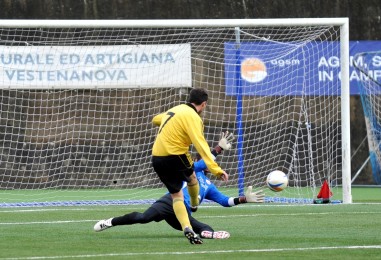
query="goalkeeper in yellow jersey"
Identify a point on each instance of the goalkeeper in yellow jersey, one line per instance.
(180, 127)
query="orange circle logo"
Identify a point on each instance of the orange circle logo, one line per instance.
(253, 70)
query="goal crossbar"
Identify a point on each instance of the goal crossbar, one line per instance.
(173, 23)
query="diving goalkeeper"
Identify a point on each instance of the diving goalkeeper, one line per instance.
(162, 209)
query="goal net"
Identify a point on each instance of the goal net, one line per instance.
(78, 97)
(367, 64)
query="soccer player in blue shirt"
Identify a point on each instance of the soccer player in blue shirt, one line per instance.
(162, 209)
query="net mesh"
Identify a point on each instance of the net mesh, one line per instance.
(60, 133)
(366, 64)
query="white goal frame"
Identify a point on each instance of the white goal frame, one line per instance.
(343, 23)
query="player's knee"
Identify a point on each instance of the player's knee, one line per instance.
(142, 218)
(192, 180)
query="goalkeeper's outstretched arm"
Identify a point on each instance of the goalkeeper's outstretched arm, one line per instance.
(211, 192)
(250, 196)
(217, 196)
(225, 143)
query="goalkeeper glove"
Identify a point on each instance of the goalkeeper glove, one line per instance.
(256, 197)
(225, 140)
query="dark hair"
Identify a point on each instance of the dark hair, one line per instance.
(197, 96)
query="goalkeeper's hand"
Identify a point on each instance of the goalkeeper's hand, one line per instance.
(254, 197)
(225, 140)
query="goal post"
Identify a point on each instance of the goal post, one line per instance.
(345, 110)
(78, 97)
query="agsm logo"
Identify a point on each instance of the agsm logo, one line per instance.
(253, 70)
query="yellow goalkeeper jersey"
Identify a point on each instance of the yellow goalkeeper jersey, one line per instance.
(180, 127)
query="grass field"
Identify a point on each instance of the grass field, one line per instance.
(332, 231)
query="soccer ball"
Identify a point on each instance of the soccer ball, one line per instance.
(277, 181)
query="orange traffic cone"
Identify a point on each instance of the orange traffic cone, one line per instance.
(324, 194)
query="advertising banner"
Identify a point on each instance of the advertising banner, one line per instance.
(121, 66)
(277, 68)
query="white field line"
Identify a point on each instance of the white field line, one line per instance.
(44, 209)
(144, 206)
(199, 217)
(199, 252)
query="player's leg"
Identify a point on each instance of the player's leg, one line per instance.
(180, 210)
(165, 206)
(184, 172)
(173, 171)
(193, 190)
(147, 216)
(207, 231)
(182, 216)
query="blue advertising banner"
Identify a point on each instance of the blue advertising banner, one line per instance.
(276, 68)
